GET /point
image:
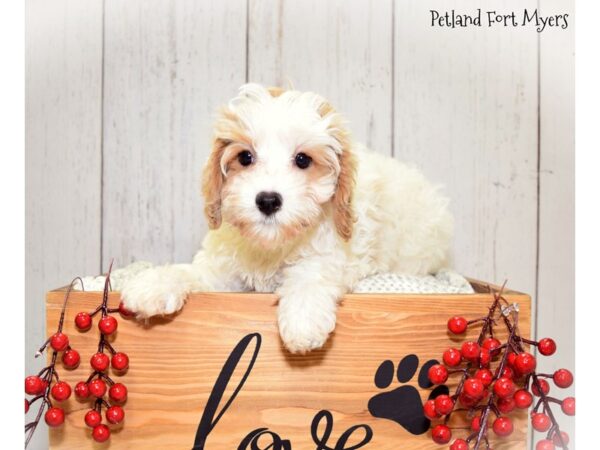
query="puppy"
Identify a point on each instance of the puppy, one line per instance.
(295, 207)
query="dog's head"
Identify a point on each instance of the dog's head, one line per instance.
(280, 162)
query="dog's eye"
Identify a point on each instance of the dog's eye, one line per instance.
(245, 158)
(303, 160)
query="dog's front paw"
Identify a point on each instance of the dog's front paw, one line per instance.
(154, 292)
(301, 334)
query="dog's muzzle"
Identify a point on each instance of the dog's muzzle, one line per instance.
(268, 202)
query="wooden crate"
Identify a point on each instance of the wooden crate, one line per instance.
(175, 362)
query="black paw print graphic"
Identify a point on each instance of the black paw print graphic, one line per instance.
(403, 405)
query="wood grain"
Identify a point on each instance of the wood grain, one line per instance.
(175, 362)
(465, 111)
(168, 65)
(63, 70)
(341, 49)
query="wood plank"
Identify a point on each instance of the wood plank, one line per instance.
(175, 362)
(63, 69)
(556, 271)
(466, 113)
(168, 65)
(340, 49)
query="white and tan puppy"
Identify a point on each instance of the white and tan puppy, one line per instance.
(296, 208)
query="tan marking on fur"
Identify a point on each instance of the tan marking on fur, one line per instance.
(228, 129)
(325, 109)
(229, 160)
(322, 165)
(275, 91)
(212, 183)
(343, 214)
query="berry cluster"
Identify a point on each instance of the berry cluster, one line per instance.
(99, 383)
(497, 378)
(96, 386)
(46, 386)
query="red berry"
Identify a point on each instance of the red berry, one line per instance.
(59, 342)
(476, 423)
(511, 359)
(61, 391)
(441, 434)
(473, 387)
(115, 414)
(563, 378)
(70, 359)
(525, 363)
(118, 392)
(97, 388)
(34, 385)
(459, 444)
(101, 433)
(507, 372)
(504, 387)
(506, 405)
(491, 344)
(568, 406)
(547, 346)
(486, 394)
(563, 435)
(503, 426)
(92, 418)
(108, 325)
(83, 321)
(99, 361)
(470, 351)
(485, 375)
(120, 361)
(543, 384)
(429, 410)
(485, 357)
(26, 406)
(545, 444)
(452, 357)
(523, 399)
(457, 325)
(438, 374)
(82, 390)
(467, 401)
(124, 311)
(54, 417)
(444, 404)
(540, 422)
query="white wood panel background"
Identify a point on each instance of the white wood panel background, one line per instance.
(339, 48)
(120, 97)
(466, 113)
(556, 268)
(63, 90)
(167, 66)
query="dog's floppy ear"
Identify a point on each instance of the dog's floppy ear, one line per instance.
(343, 212)
(212, 183)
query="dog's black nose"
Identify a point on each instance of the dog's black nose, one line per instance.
(268, 202)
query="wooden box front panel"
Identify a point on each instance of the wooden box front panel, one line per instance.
(174, 364)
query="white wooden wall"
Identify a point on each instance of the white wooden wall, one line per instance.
(119, 97)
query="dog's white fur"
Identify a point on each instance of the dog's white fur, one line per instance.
(351, 214)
